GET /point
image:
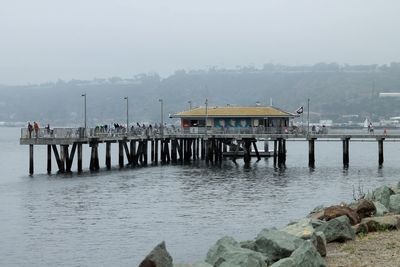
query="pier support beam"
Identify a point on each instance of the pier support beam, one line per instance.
(79, 157)
(94, 157)
(30, 159)
(346, 142)
(247, 151)
(58, 159)
(380, 151)
(108, 155)
(121, 154)
(48, 159)
(281, 152)
(311, 152)
(275, 151)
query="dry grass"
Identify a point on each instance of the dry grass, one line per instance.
(374, 249)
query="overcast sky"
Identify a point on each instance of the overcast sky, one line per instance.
(43, 40)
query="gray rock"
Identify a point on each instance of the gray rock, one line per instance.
(307, 256)
(338, 229)
(286, 262)
(249, 244)
(227, 252)
(320, 243)
(381, 194)
(275, 244)
(158, 257)
(199, 264)
(382, 223)
(394, 204)
(380, 209)
(315, 223)
(303, 229)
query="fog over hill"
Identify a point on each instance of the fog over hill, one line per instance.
(334, 90)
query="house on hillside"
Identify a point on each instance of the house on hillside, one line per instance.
(235, 117)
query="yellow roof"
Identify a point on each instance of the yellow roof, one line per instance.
(230, 111)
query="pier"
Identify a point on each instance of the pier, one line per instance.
(141, 147)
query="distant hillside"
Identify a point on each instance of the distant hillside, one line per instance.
(333, 91)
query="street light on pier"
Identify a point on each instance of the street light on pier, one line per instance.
(84, 108)
(190, 104)
(127, 113)
(162, 115)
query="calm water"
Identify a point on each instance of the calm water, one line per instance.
(114, 218)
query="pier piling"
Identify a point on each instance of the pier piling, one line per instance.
(380, 151)
(311, 152)
(30, 159)
(346, 142)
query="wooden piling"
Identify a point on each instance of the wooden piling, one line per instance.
(66, 158)
(145, 152)
(121, 154)
(247, 151)
(71, 157)
(152, 151)
(311, 152)
(203, 149)
(48, 159)
(380, 151)
(275, 151)
(174, 158)
(127, 152)
(108, 155)
(256, 150)
(346, 142)
(31, 159)
(156, 152)
(133, 153)
(79, 167)
(58, 159)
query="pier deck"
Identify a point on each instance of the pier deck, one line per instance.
(177, 145)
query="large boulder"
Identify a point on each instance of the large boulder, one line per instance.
(339, 210)
(306, 255)
(364, 208)
(394, 203)
(286, 262)
(227, 252)
(338, 229)
(319, 242)
(380, 209)
(158, 257)
(199, 264)
(304, 229)
(275, 244)
(381, 194)
(391, 222)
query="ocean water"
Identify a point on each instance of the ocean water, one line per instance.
(114, 218)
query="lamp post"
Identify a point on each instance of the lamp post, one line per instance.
(127, 113)
(190, 104)
(162, 115)
(84, 108)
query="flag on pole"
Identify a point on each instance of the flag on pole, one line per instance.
(299, 110)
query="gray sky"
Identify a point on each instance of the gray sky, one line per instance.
(43, 40)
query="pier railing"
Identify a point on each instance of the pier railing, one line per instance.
(76, 133)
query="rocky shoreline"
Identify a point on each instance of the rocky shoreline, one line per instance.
(302, 242)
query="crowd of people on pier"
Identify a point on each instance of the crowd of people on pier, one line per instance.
(33, 129)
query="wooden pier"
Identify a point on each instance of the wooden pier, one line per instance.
(179, 147)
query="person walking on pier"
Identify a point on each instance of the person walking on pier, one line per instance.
(36, 128)
(30, 129)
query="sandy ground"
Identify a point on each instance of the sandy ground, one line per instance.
(374, 249)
